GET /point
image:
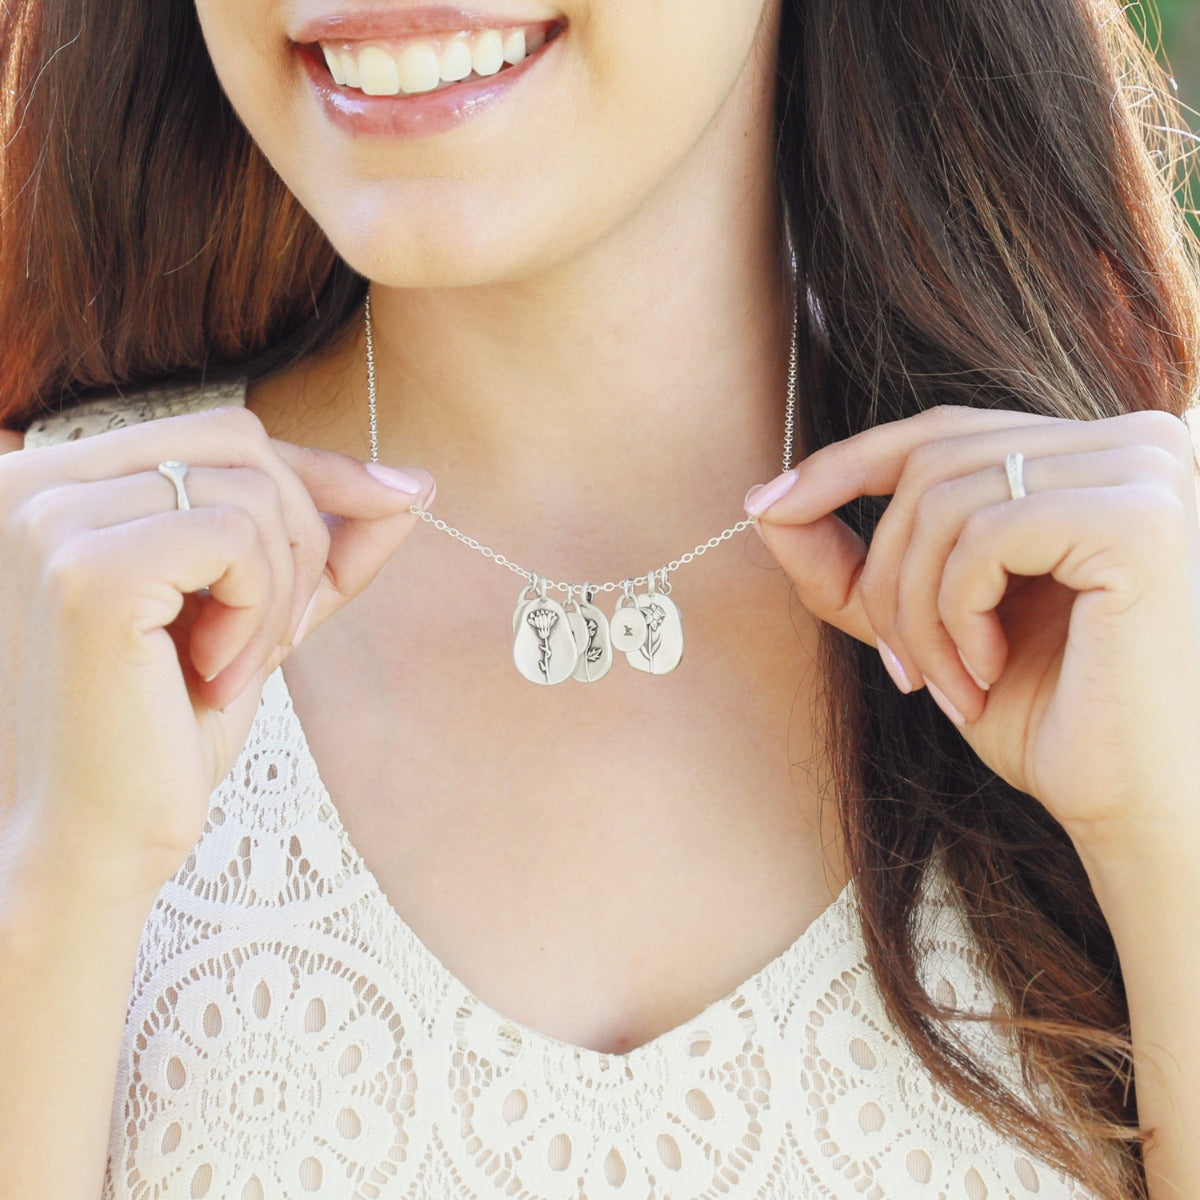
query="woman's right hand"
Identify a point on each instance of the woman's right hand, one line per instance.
(126, 689)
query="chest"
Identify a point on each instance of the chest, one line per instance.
(597, 862)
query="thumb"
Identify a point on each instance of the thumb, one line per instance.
(824, 560)
(10, 440)
(368, 512)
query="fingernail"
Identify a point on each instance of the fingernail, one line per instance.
(943, 702)
(894, 667)
(759, 499)
(305, 622)
(393, 477)
(979, 683)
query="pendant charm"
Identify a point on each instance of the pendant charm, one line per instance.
(628, 625)
(544, 648)
(662, 649)
(591, 630)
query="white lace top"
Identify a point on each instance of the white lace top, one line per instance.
(289, 1037)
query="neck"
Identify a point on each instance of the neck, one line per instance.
(566, 390)
(646, 375)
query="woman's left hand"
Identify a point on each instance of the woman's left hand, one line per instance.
(1060, 630)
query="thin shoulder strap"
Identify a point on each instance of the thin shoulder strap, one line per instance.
(117, 411)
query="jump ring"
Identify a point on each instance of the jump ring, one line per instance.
(1014, 468)
(176, 472)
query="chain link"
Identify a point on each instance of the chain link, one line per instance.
(789, 420)
(535, 580)
(661, 574)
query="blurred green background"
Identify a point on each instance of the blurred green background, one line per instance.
(1181, 39)
(1181, 47)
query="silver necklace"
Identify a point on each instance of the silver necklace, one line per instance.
(553, 641)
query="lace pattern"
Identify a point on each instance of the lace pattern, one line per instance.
(117, 412)
(289, 1036)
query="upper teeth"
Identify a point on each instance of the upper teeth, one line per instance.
(385, 69)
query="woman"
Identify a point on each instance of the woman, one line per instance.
(947, 798)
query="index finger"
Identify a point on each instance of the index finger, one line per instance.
(824, 560)
(871, 463)
(368, 511)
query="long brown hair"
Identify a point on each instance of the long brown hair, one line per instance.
(982, 196)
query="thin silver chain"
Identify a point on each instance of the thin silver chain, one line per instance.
(659, 576)
(789, 419)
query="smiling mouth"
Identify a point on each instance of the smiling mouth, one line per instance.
(432, 62)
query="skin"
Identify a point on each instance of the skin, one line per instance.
(1079, 608)
(525, 292)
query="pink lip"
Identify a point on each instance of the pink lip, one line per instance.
(386, 24)
(405, 117)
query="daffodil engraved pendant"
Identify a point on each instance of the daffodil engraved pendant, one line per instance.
(544, 649)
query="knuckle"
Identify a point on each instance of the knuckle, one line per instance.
(1154, 461)
(20, 474)
(260, 492)
(877, 596)
(947, 416)
(71, 578)
(936, 503)
(930, 463)
(233, 524)
(240, 425)
(1154, 518)
(950, 422)
(923, 462)
(1155, 427)
(980, 525)
(318, 541)
(912, 625)
(37, 522)
(947, 605)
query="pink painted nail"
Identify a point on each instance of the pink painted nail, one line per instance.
(943, 702)
(979, 683)
(393, 477)
(895, 668)
(305, 622)
(759, 499)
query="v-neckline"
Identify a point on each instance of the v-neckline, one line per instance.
(838, 919)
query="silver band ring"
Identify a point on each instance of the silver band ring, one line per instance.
(176, 472)
(1014, 468)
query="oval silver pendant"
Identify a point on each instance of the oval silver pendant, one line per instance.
(595, 647)
(524, 600)
(662, 649)
(627, 629)
(544, 648)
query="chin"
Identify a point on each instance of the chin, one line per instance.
(404, 245)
